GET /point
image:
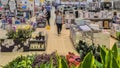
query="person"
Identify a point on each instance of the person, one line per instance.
(48, 9)
(58, 21)
(115, 18)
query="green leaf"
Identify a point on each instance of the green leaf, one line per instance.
(98, 64)
(118, 60)
(88, 61)
(42, 65)
(102, 54)
(64, 63)
(109, 59)
(115, 51)
(94, 66)
(51, 63)
(114, 63)
(59, 63)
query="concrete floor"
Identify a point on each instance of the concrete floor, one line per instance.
(62, 44)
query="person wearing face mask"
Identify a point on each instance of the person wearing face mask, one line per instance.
(58, 21)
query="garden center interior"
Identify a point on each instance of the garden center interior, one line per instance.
(31, 36)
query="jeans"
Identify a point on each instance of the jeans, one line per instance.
(48, 17)
(59, 28)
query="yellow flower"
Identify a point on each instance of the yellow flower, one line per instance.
(33, 35)
(27, 27)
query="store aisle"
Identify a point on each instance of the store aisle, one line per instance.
(62, 44)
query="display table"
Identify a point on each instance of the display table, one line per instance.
(106, 21)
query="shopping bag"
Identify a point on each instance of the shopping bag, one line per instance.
(47, 27)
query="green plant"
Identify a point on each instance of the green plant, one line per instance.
(83, 48)
(21, 62)
(45, 59)
(110, 59)
(19, 34)
(88, 61)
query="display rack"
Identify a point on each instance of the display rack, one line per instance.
(69, 18)
(106, 5)
(116, 5)
(94, 6)
(38, 44)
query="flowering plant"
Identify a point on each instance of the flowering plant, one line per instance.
(20, 34)
(72, 59)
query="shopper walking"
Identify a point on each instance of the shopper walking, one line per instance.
(48, 9)
(58, 21)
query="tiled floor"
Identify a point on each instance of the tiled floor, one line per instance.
(62, 44)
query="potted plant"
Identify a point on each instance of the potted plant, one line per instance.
(20, 35)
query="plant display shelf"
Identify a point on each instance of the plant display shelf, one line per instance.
(38, 44)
